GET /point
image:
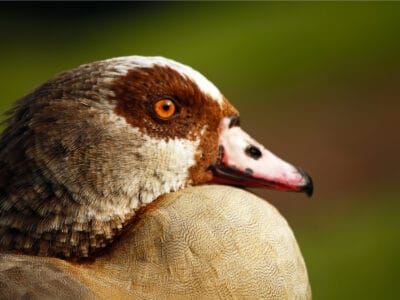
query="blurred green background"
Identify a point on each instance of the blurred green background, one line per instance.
(317, 83)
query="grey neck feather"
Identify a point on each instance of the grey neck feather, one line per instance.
(40, 216)
(60, 196)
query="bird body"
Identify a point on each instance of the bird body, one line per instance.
(104, 191)
(173, 250)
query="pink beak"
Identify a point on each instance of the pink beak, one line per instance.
(243, 161)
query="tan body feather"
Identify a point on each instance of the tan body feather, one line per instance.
(201, 242)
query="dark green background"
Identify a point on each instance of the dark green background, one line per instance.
(317, 83)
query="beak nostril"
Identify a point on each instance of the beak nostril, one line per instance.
(253, 152)
(234, 121)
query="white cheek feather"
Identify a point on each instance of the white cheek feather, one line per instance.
(163, 166)
(122, 65)
(167, 168)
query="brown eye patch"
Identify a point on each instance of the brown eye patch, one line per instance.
(142, 97)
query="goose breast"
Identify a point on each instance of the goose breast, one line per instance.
(174, 250)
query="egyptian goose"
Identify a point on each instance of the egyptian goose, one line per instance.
(102, 191)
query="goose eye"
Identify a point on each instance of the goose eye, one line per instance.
(164, 109)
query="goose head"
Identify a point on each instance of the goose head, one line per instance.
(85, 150)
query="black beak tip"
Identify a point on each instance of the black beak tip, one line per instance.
(308, 188)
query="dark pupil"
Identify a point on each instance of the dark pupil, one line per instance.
(166, 106)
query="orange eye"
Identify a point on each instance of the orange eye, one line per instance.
(164, 109)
